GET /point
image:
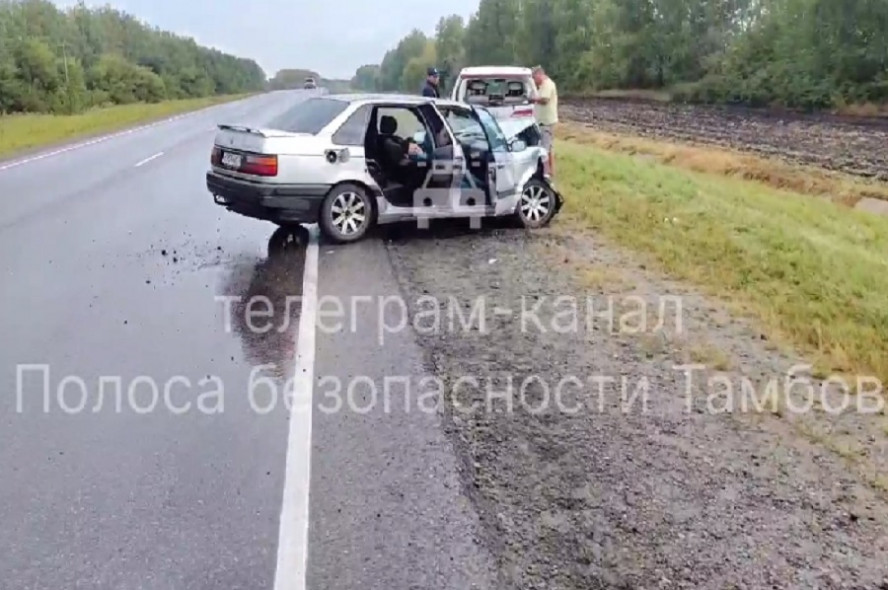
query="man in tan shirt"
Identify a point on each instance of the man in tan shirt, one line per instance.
(546, 110)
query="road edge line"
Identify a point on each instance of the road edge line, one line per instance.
(292, 549)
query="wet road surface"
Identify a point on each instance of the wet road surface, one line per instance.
(131, 451)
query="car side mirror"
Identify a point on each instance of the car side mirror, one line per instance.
(517, 145)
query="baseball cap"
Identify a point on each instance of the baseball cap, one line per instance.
(432, 72)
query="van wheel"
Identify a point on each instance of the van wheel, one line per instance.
(346, 214)
(536, 205)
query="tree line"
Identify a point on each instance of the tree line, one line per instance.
(66, 61)
(794, 53)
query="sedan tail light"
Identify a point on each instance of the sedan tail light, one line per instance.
(522, 113)
(257, 164)
(260, 165)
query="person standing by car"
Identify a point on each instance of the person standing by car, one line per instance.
(430, 87)
(546, 110)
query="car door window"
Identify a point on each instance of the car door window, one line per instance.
(440, 136)
(465, 127)
(353, 130)
(495, 135)
(408, 122)
(309, 116)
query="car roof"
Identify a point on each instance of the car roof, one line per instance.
(495, 71)
(409, 99)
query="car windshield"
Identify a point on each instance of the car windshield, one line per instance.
(309, 116)
(495, 90)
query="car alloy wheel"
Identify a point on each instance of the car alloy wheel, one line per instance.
(347, 214)
(536, 204)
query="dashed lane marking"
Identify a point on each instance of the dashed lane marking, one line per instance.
(149, 158)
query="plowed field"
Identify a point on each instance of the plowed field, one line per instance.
(853, 145)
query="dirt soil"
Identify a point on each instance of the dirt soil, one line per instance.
(662, 491)
(849, 144)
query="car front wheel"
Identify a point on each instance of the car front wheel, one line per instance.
(346, 214)
(536, 206)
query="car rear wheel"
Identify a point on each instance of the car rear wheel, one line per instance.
(346, 214)
(536, 206)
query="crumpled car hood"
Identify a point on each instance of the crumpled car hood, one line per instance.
(513, 126)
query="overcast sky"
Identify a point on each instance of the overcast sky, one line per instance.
(330, 37)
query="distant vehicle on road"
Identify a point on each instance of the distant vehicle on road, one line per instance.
(310, 83)
(350, 161)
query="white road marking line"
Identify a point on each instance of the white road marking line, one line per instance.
(292, 553)
(148, 159)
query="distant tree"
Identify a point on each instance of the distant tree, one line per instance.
(391, 70)
(798, 53)
(366, 78)
(65, 61)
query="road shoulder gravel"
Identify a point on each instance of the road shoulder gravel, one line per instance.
(646, 486)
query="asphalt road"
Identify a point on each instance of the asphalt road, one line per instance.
(124, 283)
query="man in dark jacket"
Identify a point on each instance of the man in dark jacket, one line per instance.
(430, 88)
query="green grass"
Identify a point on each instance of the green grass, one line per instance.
(27, 131)
(813, 272)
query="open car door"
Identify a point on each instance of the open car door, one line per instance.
(449, 185)
(503, 182)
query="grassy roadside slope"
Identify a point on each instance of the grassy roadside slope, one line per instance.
(809, 180)
(22, 132)
(813, 272)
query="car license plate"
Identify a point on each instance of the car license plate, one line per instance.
(232, 160)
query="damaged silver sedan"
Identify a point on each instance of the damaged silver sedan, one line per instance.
(348, 162)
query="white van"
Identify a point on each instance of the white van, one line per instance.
(504, 90)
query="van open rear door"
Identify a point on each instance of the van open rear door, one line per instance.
(507, 97)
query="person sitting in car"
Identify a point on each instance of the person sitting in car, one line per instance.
(396, 150)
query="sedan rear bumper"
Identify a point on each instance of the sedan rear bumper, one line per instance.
(288, 203)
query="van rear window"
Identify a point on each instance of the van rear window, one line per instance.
(309, 116)
(492, 91)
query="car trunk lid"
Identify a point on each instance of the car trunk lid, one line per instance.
(259, 140)
(243, 151)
